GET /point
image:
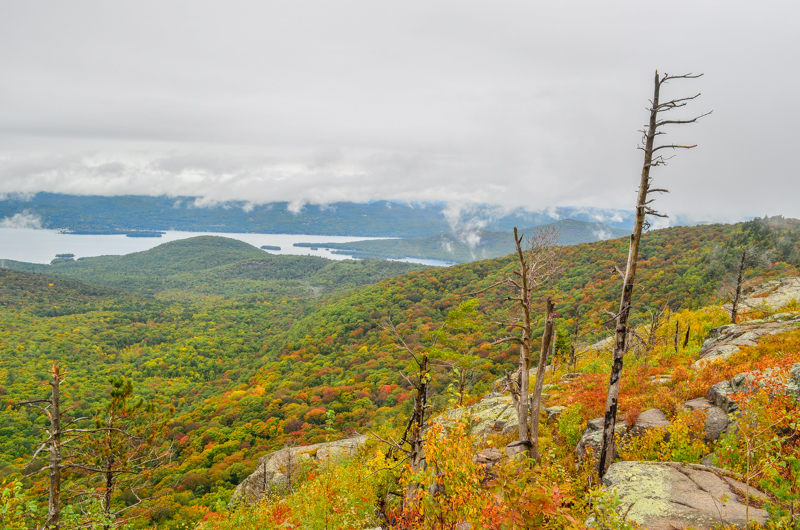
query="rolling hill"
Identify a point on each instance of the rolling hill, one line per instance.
(219, 266)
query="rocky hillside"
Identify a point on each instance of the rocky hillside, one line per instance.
(679, 462)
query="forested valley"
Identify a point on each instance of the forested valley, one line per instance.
(223, 354)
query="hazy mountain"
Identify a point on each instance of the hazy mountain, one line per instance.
(95, 214)
(466, 246)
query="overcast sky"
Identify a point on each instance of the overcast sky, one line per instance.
(526, 103)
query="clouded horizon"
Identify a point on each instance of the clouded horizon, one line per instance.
(521, 104)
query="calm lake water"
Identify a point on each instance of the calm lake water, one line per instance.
(41, 246)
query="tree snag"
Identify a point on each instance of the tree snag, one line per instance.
(651, 159)
(57, 438)
(412, 442)
(536, 266)
(536, 400)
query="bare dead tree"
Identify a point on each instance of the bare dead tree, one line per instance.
(652, 158)
(573, 357)
(536, 266)
(749, 257)
(412, 443)
(57, 438)
(73, 448)
(737, 289)
(647, 342)
(677, 333)
(536, 400)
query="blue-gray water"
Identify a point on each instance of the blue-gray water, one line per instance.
(41, 246)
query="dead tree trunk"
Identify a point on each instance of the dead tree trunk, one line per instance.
(417, 453)
(573, 360)
(54, 490)
(651, 159)
(536, 404)
(412, 444)
(51, 407)
(536, 266)
(737, 293)
(677, 332)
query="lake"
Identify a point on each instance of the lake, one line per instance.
(41, 246)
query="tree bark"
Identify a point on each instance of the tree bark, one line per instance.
(739, 281)
(537, 387)
(108, 491)
(417, 457)
(54, 490)
(608, 450)
(677, 332)
(629, 275)
(523, 376)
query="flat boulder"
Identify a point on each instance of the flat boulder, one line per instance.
(650, 419)
(669, 495)
(700, 403)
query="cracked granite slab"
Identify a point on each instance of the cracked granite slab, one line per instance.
(669, 495)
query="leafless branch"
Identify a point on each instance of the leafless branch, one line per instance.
(507, 339)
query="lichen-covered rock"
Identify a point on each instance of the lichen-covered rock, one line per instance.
(668, 495)
(494, 413)
(793, 385)
(277, 468)
(774, 294)
(724, 341)
(554, 412)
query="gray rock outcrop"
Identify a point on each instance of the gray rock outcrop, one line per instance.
(717, 422)
(724, 341)
(494, 413)
(667, 496)
(276, 469)
(774, 294)
(650, 419)
(592, 438)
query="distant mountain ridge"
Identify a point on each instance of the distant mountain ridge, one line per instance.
(466, 246)
(122, 214)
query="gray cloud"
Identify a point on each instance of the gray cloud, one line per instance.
(519, 104)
